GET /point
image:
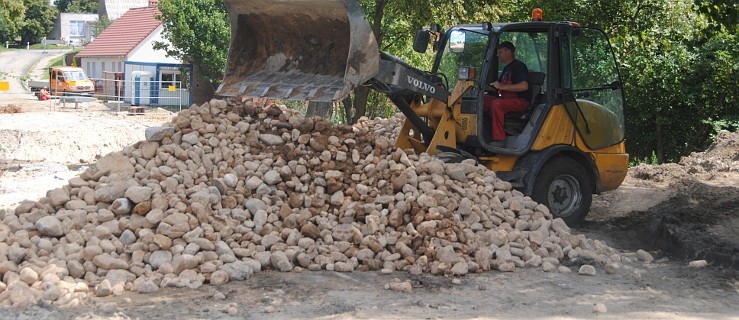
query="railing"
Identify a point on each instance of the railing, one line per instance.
(139, 92)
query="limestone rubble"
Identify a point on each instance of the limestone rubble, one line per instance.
(228, 189)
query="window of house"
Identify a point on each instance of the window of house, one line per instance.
(170, 78)
(76, 28)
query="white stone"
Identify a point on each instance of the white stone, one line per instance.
(159, 257)
(111, 192)
(612, 268)
(269, 240)
(447, 255)
(460, 268)
(148, 149)
(138, 194)
(57, 197)
(254, 205)
(147, 286)
(644, 256)
(272, 177)
(121, 206)
(337, 198)
(238, 270)
(104, 289)
(599, 308)
(253, 183)
(158, 133)
(231, 180)
(587, 270)
(185, 262)
(279, 261)
(127, 237)
(50, 226)
(28, 276)
(271, 139)
(697, 264)
(191, 138)
(108, 262)
(219, 277)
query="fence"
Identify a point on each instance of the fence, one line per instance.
(141, 92)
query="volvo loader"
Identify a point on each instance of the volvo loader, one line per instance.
(568, 144)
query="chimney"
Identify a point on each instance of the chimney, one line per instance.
(153, 3)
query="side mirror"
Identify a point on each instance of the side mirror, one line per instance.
(421, 41)
(456, 41)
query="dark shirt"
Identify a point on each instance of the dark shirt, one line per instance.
(515, 72)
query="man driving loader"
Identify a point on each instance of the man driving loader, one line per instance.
(569, 147)
(510, 93)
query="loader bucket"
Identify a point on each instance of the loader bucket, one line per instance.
(298, 49)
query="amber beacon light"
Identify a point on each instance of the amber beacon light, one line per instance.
(536, 14)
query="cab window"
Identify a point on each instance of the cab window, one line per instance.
(531, 49)
(591, 79)
(465, 48)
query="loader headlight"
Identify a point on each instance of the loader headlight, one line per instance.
(466, 73)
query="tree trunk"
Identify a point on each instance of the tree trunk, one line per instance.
(201, 89)
(361, 93)
(322, 109)
(347, 102)
(660, 143)
(377, 21)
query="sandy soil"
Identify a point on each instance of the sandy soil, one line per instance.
(42, 149)
(653, 201)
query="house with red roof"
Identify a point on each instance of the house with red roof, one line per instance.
(123, 56)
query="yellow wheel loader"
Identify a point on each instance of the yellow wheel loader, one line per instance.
(568, 144)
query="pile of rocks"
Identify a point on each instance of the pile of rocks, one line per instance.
(228, 189)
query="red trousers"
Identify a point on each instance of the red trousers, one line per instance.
(498, 107)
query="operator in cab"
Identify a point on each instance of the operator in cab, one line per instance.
(510, 91)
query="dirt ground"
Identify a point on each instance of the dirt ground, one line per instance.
(678, 213)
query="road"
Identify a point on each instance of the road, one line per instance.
(15, 64)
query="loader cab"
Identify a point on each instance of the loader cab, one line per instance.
(569, 143)
(567, 64)
(473, 47)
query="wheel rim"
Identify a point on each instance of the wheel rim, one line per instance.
(564, 195)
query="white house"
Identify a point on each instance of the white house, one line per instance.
(76, 28)
(114, 9)
(125, 51)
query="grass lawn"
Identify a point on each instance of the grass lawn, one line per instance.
(39, 46)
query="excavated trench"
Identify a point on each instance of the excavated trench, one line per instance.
(699, 222)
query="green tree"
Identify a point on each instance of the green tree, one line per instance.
(77, 6)
(721, 13)
(198, 32)
(678, 59)
(395, 23)
(40, 17)
(12, 13)
(100, 25)
(678, 63)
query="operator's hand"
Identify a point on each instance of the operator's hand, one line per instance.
(495, 85)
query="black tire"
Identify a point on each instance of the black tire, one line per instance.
(565, 187)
